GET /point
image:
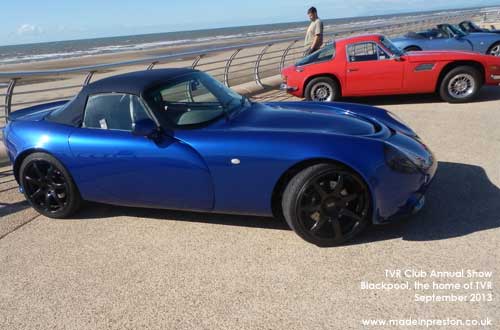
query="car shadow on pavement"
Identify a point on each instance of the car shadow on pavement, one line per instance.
(97, 211)
(7, 209)
(461, 201)
(487, 93)
(6, 173)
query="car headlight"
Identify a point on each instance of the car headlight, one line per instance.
(398, 160)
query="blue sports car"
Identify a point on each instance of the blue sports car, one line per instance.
(179, 139)
(450, 37)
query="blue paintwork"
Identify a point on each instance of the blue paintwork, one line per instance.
(476, 42)
(191, 169)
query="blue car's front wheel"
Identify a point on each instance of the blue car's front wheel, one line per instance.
(327, 204)
(494, 49)
(48, 186)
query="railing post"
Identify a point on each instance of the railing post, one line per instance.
(196, 61)
(8, 98)
(257, 65)
(152, 65)
(88, 78)
(285, 53)
(228, 65)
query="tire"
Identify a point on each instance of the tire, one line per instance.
(322, 89)
(412, 49)
(326, 214)
(460, 85)
(494, 50)
(48, 186)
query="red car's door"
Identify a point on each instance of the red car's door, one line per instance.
(370, 70)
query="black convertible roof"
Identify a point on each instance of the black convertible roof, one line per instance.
(135, 82)
(130, 83)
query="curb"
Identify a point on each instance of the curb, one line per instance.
(251, 88)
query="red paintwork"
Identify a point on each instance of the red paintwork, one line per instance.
(385, 77)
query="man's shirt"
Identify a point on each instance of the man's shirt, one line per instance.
(314, 29)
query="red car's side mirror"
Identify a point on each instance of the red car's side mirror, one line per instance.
(397, 58)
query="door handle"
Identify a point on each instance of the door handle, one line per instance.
(352, 70)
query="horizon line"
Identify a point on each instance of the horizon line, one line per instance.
(243, 25)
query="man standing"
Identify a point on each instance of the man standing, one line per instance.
(314, 34)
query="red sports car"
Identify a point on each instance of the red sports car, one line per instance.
(373, 65)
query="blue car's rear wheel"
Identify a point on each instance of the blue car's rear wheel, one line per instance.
(48, 186)
(327, 204)
(412, 49)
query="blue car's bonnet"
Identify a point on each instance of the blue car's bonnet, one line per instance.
(281, 117)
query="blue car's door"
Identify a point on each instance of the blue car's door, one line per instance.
(451, 43)
(114, 166)
(449, 37)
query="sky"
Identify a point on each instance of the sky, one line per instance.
(28, 21)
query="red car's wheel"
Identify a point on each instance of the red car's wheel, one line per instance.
(322, 89)
(460, 85)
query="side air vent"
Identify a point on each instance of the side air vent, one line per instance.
(425, 67)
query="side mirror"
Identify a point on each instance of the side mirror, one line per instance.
(397, 58)
(145, 127)
(194, 85)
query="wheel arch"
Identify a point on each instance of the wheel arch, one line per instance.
(452, 65)
(285, 178)
(496, 43)
(322, 75)
(413, 46)
(25, 153)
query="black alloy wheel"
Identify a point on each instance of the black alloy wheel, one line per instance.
(327, 204)
(48, 186)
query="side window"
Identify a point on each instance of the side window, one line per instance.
(367, 51)
(441, 33)
(113, 112)
(382, 55)
(189, 91)
(191, 101)
(465, 27)
(362, 52)
(326, 53)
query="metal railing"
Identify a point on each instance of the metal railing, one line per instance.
(264, 59)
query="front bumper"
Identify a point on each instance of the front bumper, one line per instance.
(288, 89)
(415, 200)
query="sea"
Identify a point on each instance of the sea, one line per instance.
(87, 47)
